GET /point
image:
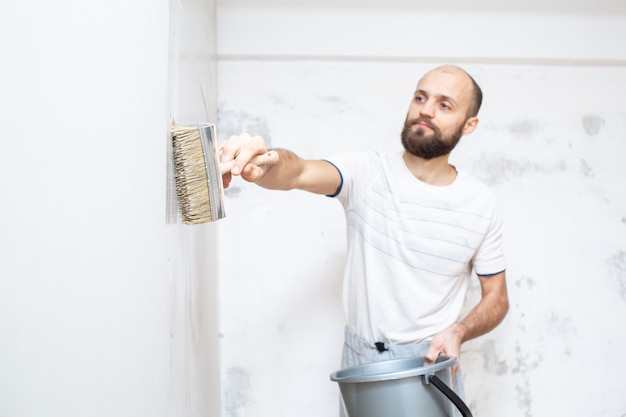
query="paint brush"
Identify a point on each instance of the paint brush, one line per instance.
(198, 176)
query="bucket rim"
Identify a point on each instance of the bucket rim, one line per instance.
(356, 374)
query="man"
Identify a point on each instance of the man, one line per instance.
(416, 227)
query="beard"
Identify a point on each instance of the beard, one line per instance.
(426, 146)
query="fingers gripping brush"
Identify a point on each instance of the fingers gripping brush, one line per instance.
(199, 185)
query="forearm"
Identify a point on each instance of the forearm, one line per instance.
(488, 313)
(292, 172)
(276, 169)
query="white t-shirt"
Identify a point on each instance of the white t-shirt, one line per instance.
(411, 247)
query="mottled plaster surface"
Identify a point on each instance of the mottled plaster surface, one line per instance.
(556, 164)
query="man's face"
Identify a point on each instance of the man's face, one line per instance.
(423, 138)
(437, 116)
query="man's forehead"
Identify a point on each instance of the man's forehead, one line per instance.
(446, 74)
(447, 80)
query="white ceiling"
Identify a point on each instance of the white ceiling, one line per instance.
(546, 6)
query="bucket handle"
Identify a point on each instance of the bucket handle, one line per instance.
(451, 395)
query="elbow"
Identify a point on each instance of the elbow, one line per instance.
(504, 305)
(505, 308)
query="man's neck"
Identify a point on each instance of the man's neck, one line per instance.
(436, 171)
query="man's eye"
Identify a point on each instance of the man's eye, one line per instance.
(420, 98)
(445, 106)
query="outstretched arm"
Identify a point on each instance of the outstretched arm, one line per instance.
(277, 169)
(485, 316)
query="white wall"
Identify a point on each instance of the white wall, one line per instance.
(321, 80)
(104, 309)
(84, 292)
(191, 259)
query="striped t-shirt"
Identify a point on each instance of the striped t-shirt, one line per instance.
(412, 246)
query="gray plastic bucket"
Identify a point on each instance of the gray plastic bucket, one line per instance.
(400, 388)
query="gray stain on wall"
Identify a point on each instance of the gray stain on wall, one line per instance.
(525, 364)
(559, 327)
(494, 170)
(527, 357)
(237, 391)
(617, 266)
(523, 129)
(524, 361)
(491, 362)
(337, 104)
(525, 282)
(232, 191)
(586, 169)
(524, 397)
(592, 124)
(230, 122)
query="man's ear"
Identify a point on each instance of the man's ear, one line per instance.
(470, 125)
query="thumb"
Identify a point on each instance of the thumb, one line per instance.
(259, 165)
(431, 355)
(226, 167)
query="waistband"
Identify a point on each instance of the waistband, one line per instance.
(358, 344)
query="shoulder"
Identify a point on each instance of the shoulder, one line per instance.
(475, 195)
(357, 163)
(469, 182)
(355, 156)
(358, 170)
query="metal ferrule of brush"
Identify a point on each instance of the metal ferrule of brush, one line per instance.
(212, 166)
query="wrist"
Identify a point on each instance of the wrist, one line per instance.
(459, 330)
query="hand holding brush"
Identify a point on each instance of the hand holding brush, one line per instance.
(245, 156)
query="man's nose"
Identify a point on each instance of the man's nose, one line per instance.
(428, 109)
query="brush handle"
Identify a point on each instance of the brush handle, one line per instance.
(268, 158)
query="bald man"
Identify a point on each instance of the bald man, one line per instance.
(417, 227)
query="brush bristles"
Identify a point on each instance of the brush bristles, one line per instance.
(192, 185)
